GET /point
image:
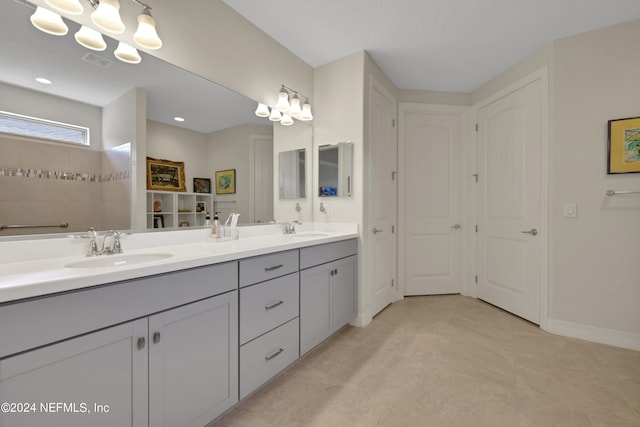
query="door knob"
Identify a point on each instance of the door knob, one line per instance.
(533, 232)
(376, 231)
(456, 227)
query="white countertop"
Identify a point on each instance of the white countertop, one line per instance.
(31, 268)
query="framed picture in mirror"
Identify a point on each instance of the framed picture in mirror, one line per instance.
(226, 181)
(165, 175)
(201, 185)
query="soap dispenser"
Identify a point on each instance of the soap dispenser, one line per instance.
(207, 220)
(216, 224)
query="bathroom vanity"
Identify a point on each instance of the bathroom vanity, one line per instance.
(173, 341)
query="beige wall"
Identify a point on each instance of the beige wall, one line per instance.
(594, 275)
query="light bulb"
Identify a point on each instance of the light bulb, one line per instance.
(306, 115)
(90, 38)
(262, 110)
(275, 115)
(295, 109)
(127, 53)
(283, 101)
(49, 22)
(146, 35)
(286, 120)
(71, 7)
(107, 17)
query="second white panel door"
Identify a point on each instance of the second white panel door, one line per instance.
(430, 220)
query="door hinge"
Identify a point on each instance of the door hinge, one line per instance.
(393, 123)
(476, 228)
(476, 278)
(393, 229)
(393, 175)
(392, 283)
(476, 127)
(475, 175)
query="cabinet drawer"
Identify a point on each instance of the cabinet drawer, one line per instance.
(266, 267)
(320, 254)
(267, 305)
(264, 357)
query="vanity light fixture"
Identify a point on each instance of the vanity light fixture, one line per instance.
(178, 119)
(287, 120)
(262, 110)
(106, 17)
(127, 53)
(71, 7)
(49, 22)
(43, 80)
(90, 38)
(287, 108)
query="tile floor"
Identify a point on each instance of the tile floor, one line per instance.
(449, 361)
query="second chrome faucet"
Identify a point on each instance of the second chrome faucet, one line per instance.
(110, 243)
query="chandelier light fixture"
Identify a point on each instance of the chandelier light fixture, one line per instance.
(287, 108)
(105, 17)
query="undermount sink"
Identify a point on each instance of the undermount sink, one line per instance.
(118, 260)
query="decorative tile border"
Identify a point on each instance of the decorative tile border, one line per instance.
(65, 176)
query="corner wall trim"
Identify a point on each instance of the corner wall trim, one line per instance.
(612, 337)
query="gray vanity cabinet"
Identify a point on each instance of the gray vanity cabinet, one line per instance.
(328, 293)
(193, 362)
(103, 368)
(269, 309)
(170, 360)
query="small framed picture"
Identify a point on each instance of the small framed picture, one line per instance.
(201, 185)
(226, 181)
(624, 146)
(158, 221)
(200, 206)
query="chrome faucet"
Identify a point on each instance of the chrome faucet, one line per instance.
(110, 243)
(93, 245)
(114, 247)
(290, 227)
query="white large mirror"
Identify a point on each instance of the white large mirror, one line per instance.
(121, 104)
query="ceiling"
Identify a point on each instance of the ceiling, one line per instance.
(441, 45)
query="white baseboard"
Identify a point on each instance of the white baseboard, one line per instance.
(612, 337)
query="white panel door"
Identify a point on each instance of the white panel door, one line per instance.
(510, 200)
(382, 197)
(429, 163)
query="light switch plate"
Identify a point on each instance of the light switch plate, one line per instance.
(570, 210)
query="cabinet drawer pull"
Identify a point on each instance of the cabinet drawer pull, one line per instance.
(271, 356)
(156, 337)
(274, 305)
(275, 267)
(141, 343)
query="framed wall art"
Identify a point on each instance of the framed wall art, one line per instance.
(165, 175)
(624, 146)
(226, 181)
(201, 185)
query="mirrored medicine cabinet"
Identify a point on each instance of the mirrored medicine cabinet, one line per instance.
(335, 169)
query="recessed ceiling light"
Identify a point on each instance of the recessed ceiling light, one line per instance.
(43, 80)
(178, 119)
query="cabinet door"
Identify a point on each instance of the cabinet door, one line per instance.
(315, 316)
(99, 379)
(343, 292)
(193, 362)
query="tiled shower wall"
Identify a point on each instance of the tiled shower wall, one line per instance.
(45, 184)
